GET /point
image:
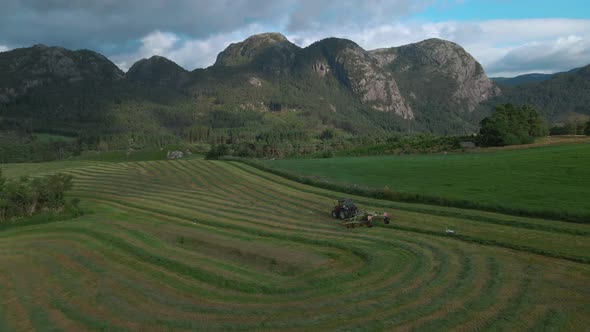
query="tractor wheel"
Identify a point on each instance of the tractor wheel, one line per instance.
(342, 215)
(334, 215)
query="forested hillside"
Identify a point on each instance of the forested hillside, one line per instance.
(263, 84)
(562, 96)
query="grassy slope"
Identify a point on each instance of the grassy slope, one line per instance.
(546, 178)
(194, 244)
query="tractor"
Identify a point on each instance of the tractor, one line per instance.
(344, 209)
(353, 217)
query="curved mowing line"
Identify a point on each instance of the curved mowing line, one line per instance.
(226, 214)
(426, 297)
(507, 220)
(482, 298)
(370, 279)
(466, 238)
(188, 198)
(180, 268)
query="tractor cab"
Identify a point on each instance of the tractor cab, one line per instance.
(344, 209)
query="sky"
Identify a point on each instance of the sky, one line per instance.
(508, 37)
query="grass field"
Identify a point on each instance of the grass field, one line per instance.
(213, 245)
(546, 179)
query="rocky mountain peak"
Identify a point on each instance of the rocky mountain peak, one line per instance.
(265, 47)
(360, 72)
(267, 37)
(436, 68)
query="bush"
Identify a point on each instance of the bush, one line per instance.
(328, 154)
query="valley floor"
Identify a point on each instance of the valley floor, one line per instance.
(212, 245)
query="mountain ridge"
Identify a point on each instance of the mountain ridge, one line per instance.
(558, 98)
(429, 86)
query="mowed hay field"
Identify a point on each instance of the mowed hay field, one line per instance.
(550, 180)
(213, 245)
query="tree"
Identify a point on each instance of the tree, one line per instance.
(510, 125)
(28, 196)
(587, 129)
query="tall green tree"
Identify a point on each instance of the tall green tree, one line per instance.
(511, 124)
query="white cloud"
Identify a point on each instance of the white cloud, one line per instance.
(158, 42)
(155, 43)
(545, 57)
(504, 47)
(188, 53)
(4, 48)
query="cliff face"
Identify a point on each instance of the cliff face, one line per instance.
(360, 72)
(445, 67)
(403, 80)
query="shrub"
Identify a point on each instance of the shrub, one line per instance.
(28, 196)
(328, 154)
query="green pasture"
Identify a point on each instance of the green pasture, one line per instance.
(553, 178)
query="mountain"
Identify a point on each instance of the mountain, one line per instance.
(268, 52)
(160, 71)
(51, 89)
(522, 79)
(527, 78)
(435, 85)
(358, 71)
(256, 88)
(557, 98)
(29, 69)
(440, 81)
(45, 87)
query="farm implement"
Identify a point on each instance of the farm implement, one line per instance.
(352, 216)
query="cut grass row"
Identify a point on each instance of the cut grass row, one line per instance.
(261, 252)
